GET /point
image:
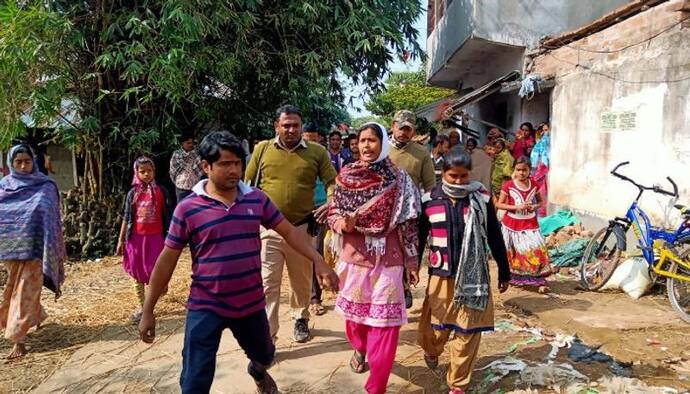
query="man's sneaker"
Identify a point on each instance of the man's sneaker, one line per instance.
(408, 299)
(266, 385)
(301, 330)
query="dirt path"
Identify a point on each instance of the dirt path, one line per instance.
(89, 346)
(97, 300)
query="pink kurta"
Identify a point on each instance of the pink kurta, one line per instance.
(371, 296)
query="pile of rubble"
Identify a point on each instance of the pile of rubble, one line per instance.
(567, 245)
(567, 234)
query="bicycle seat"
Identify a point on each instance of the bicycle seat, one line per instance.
(684, 210)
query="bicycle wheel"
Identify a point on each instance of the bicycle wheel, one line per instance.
(599, 260)
(679, 290)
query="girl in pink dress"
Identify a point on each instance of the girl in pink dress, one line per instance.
(529, 259)
(146, 221)
(373, 217)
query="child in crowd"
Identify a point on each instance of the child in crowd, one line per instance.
(185, 167)
(454, 138)
(470, 145)
(311, 133)
(461, 219)
(524, 141)
(145, 222)
(529, 259)
(490, 150)
(503, 166)
(441, 146)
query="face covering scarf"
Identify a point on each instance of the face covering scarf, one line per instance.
(472, 278)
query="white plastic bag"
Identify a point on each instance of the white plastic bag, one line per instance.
(548, 375)
(632, 276)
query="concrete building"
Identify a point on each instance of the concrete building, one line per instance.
(617, 80)
(622, 93)
(473, 42)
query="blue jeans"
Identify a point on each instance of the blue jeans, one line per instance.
(202, 335)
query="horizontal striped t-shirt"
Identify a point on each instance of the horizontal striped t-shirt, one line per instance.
(226, 249)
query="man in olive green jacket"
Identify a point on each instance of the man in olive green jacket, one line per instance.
(286, 168)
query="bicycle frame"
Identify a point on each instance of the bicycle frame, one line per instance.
(666, 254)
(653, 240)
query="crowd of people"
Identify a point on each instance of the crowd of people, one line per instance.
(357, 214)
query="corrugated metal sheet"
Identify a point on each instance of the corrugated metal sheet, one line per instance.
(482, 92)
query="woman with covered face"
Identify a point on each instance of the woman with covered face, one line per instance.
(459, 221)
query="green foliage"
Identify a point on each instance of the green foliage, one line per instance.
(27, 40)
(424, 127)
(143, 72)
(320, 105)
(358, 122)
(404, 90)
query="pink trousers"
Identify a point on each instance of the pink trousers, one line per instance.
(380, 345)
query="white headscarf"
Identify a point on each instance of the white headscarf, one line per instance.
(406, 207)
(385, 142)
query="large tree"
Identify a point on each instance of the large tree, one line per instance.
(404, 90)
(142, 71)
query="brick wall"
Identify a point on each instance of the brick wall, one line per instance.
(569, 59)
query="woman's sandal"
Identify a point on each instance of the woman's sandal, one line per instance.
(357, 364)
(136, 317)
(431, 361)
(317, 309)
(18, 351)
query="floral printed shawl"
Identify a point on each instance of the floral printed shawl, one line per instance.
(382, 195)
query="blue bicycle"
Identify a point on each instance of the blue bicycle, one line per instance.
(665, 251)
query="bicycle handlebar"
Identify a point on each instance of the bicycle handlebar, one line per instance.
(615, 173)
(656, 189)
(625, 163)
(674, 193)
(675, 187)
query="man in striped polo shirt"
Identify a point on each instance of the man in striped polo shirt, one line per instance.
(220, 221)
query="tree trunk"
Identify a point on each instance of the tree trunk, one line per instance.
(85, 178)
(75, 174)
(100, 171)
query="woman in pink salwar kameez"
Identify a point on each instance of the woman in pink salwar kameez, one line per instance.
(374, 220)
